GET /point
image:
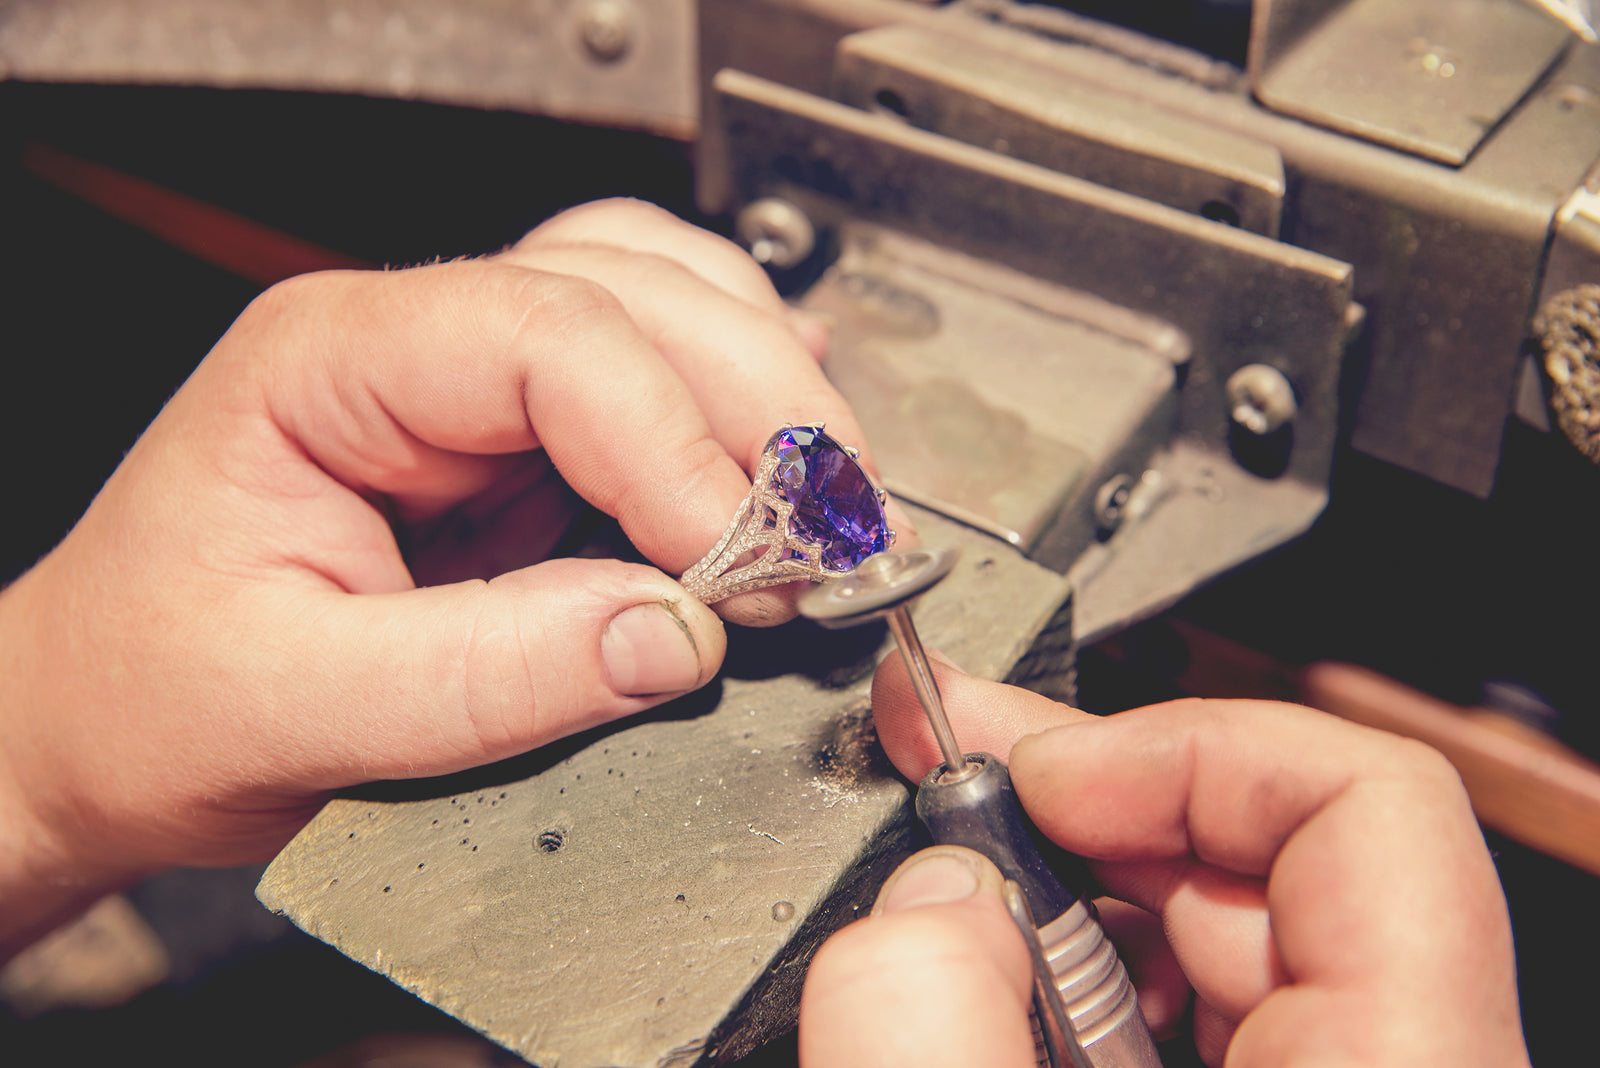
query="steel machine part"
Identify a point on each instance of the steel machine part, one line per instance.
(1085, 1004)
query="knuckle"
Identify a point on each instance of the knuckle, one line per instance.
(289, 298)
(580, 222)
(562, 303)
(498, 690)
(628, 209)
(703, 466)
(1424, 763)
(296, 310)
(272, 306)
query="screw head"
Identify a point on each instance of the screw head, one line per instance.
(776, 232)
(1111, 503)
(1260, 399)
(607, 28)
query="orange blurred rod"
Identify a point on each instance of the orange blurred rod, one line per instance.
(209, 233)
(1523, 784)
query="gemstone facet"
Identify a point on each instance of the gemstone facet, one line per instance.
(812, 513)
(835, 504)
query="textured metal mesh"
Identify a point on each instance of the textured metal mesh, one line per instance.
(1568, 329)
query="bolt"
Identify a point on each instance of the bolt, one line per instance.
(607, 28)
(777, 233)
(1260, 399)
(1111, 503)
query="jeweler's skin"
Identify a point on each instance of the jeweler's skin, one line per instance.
(231, 631)
(1323, 887)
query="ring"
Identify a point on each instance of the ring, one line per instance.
(812, 513)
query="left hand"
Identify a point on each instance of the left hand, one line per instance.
(282, 589)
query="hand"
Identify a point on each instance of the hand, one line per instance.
(236, 627)
(1323, 886)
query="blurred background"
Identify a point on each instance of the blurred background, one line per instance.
(1481, 600)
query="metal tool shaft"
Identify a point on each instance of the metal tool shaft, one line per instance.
(927, 690)
(882, 587)
(1090, 1009)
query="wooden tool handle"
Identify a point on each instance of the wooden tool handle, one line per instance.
(1522, 782)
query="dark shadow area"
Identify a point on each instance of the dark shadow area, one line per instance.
(1219, 28)
(104, 322)
(834, 658)
(1266, 455)
(264, 1006)
(1554, 923)
(1437, 588)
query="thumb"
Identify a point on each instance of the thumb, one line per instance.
(439, 679)
(937, 974)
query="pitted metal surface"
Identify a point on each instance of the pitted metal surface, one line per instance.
(1569, 332)
(649, 895)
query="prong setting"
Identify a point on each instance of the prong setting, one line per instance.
(765, 544)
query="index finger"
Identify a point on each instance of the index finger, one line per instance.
(426, 368)
(985, 716)
(710, 310)
(638, 226)
(1227, 782)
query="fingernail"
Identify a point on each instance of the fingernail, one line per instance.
(649, 650)
(905, 531)
(814, 329)
(933, 879)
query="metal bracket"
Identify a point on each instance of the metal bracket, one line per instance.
(988, 303)
(1430, 77)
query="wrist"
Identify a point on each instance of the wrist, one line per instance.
(47, 876)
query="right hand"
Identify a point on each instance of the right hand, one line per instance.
(1324, 888)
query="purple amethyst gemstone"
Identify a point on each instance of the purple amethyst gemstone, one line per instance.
(835, 504)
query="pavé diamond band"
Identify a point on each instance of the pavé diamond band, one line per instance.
(812, 513)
